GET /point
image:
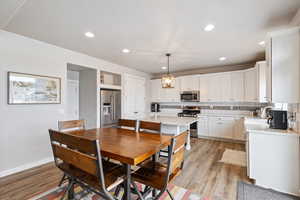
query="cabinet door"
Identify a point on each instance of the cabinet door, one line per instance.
(221, 128)
(155, 90)
(170, 94)
(204, 89)
(224, 87)
(263, 86)
(134, 96)
(251, 85)
(129, 94)
(189, 83)
(203, 127)
(285, 67)
(237, 86)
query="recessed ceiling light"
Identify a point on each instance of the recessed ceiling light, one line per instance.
(125, 50)
(164, 68)
(209, 27)
(89, 34)
(262, 43)
(222, 58)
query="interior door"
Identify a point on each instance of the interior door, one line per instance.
(140, 97)
(72, 112)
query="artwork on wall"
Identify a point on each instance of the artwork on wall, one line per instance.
(33, 89)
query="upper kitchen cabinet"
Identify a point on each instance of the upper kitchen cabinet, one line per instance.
(251, 85)
(264, 78)
(237, 86)
(159, 94)
(134, 97)
(285, 62)
(189, 83)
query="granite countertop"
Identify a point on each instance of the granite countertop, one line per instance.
(178, 121)
(258, 125)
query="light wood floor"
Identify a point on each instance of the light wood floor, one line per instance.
(202, 174)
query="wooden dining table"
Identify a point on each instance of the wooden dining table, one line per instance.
(126, 146)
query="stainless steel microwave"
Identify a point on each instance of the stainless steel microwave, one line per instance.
(190, 96)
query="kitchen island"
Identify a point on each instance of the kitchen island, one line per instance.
(173, 125)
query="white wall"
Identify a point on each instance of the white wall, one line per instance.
(88, 97)
(24, 139)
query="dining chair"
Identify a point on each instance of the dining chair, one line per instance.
(80, 159)
(157, 175)
(71, 125)
(152, 127)
(127, 123)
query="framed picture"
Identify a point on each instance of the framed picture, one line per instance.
(33, 89)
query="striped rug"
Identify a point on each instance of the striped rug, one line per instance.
(178, 193)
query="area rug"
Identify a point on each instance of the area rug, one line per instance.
(234, 157)
(178, 193)
(252, 192)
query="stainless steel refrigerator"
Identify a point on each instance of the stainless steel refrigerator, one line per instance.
(110, 101)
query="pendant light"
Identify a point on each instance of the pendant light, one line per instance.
(168, 80)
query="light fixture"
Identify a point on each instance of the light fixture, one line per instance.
(209, 27)
(262, 43)
(125, 50)
(222, 58)
(164, 68)
(168, 80)
(89, 34)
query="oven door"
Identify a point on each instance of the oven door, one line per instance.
(189, 97)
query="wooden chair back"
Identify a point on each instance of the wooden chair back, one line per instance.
(85, 157)
(71, 124)
(128, 123)
(178, 153)
(150, 127)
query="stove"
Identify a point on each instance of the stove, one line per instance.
(189, 111)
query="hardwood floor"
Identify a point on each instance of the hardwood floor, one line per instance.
(202, 174)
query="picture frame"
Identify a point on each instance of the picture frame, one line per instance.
(26, 89)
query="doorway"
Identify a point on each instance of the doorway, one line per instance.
(81, 92)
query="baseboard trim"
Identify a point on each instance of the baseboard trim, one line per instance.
(25, 167)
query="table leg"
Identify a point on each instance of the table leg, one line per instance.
(127, 191)
(188, 140)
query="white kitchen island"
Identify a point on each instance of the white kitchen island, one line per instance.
(173, 125)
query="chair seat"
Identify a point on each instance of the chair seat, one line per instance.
(113, 175)
(153, 174)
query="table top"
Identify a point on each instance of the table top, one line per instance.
(126, 146)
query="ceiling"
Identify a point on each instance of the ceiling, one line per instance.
(150, 28)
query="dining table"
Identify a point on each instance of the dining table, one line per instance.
(126, 146)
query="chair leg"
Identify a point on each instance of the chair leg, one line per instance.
(137, 190)
(62, 180)
(68, 188)
(171, 196)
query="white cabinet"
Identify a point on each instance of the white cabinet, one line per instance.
(251, 85)
(189, 83)
(202, 126)
(285, 62)
(221, 127)
(134, 96)
(159, 94)
(237, 86)
(264, 88)
(204, 88)
(155, 91)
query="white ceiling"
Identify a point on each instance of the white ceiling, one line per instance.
(150, 28)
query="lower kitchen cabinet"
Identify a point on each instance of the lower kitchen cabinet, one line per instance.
(221, 127)
(203, 129)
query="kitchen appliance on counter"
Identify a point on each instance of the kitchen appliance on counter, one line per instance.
(190, 96)
(191, 111)
(265, 111)
(110, 105)
(155, 107)
(278, 119)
